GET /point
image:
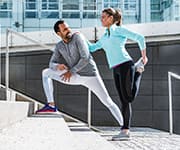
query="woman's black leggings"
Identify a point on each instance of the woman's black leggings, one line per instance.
(127, 82)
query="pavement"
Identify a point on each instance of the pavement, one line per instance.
(143, 139)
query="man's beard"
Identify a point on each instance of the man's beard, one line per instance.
(68, 36)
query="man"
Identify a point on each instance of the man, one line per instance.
(71, 63)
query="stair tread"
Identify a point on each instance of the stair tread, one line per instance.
(51, 132)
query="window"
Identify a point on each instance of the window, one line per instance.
(177, 10)
(49, 14)
(42, 9)
(155, 7)
(156, 16)
(71, 15)
(50, 9)
(89, 4)
(112, 3)
(70, 4)
(31, 9)
(6, 9)
(89, 15)
(130, 5)
(166, 4)
(31, 15)
(31, 4)
(50, 5)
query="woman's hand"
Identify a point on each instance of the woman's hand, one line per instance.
(145, 60)
(144, 57)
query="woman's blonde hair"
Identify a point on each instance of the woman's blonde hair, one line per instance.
(117, 16)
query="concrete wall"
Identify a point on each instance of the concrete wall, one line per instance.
(149, 109)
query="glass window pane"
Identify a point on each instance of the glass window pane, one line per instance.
(44, 5)
(5, 14)
(49, 15)
(155, 7)
(71, 5)
(50, 6)
(53, 6)
(5, 5)
(155, 17)
(89, 4)
(30, 1)
(106, 5)
(53, 1)
(89, 15)
(113, 5)
(30, 6)
(71, 15)
(132, 6)
(126, 6)
(31, 15)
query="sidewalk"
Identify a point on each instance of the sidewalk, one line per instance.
(143, 139)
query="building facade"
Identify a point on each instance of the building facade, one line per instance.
(33, 15)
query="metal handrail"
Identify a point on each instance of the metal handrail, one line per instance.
(27, 38)
(171, 74)
(7, 54)
(46, 47)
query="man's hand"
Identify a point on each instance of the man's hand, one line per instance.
(66, 76)
(61, 67)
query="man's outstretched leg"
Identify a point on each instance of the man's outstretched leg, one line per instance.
(97, 86)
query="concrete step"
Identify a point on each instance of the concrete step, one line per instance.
(86, 139)
(51, 132)
(12, 112)
(39, 132)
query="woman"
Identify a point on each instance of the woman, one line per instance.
(127, 75)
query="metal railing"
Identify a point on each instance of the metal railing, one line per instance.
(8, 31)
(8, 91)
(170, 75)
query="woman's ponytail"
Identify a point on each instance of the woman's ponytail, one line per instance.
(118, 17)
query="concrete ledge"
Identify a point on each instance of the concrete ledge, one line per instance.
(39, 132)
(12, 112)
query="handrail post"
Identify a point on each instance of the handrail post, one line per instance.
(7, 64)
(89, 108)
(170, 105)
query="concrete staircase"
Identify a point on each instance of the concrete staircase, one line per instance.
(50, 132)
(21, 130)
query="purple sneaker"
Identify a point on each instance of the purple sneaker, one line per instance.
(47, 109)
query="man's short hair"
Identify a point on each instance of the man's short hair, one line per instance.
(56, 25)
